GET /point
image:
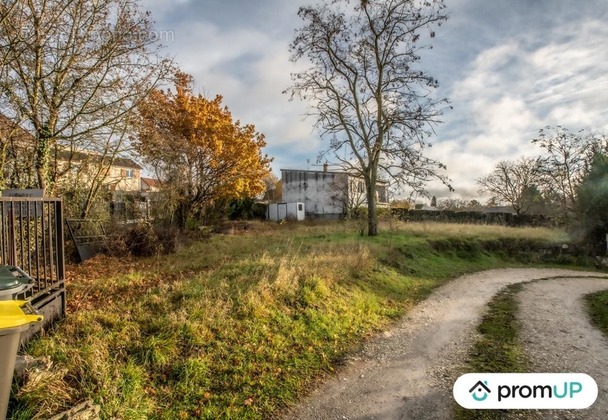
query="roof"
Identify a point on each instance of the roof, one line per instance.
(379, 181)
(313, 171)
(83, 156)
(126, 163)
(10, 127)
(151, 182)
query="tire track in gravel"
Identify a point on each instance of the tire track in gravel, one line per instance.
(557, 336)
(407, 372)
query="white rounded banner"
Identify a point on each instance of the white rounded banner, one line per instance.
(486, 391)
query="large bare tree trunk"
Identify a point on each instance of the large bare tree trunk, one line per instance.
(372, 214)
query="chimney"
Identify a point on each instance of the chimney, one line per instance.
(325, 167)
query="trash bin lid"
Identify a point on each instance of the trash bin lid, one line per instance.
(11, 278)
(16, 313)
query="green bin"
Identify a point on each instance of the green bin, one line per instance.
(16, 316)
(13, 280)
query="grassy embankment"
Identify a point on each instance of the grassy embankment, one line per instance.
(238, 326)
(597, 303)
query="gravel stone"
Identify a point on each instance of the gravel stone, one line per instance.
(408, 371)
(557, 336)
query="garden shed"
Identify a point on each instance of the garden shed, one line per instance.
(285, 211)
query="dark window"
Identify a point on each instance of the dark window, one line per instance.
(299, 207)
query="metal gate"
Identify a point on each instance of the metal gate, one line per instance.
(31, 237)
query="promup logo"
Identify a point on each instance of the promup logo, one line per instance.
(525, 390)
(480, 387)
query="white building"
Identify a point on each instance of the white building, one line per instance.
(327, 194)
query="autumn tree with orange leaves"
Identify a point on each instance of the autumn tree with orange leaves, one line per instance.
(199, 153)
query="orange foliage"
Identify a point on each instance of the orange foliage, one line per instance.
(197, 149)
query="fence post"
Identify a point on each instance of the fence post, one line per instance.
(60, 247)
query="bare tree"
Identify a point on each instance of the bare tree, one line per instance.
(453, 204)
(16, 152)
(567, 159)
(512, 183)
(366, 95)
(74, 71)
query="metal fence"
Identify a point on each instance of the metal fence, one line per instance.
(31, 237)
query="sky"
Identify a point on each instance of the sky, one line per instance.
(508, 67)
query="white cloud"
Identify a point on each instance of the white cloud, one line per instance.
(510, 80)
(518, 86)
(575, 115)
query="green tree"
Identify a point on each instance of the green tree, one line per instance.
(368, 97)
(592, 204)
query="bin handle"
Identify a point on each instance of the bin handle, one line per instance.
(31, 313)
(23, 273)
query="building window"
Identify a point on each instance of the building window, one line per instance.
(127, 173)
(300, 207)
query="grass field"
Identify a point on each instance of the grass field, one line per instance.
(239, 326)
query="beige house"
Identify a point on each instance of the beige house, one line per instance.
(122, 175)
(75, 167)
(16, 152)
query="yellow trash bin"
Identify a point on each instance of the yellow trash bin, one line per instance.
(16, 316)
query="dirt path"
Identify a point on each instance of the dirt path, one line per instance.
(407, 372)
(558, 337)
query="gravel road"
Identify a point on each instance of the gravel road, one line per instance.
(558, 336)
(408, 371)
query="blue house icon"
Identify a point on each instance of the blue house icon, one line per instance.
(481, 388)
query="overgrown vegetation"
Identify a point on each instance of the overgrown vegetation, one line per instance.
(239, 325)
(598, 309)
(592, 205)
(497, 349)
(565, 181)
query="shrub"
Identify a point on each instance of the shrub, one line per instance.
(246, 209)
(144, 240)
(592, 206)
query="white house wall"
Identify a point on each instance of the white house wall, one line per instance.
(321, 192)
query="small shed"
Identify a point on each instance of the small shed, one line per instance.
(285, 211)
